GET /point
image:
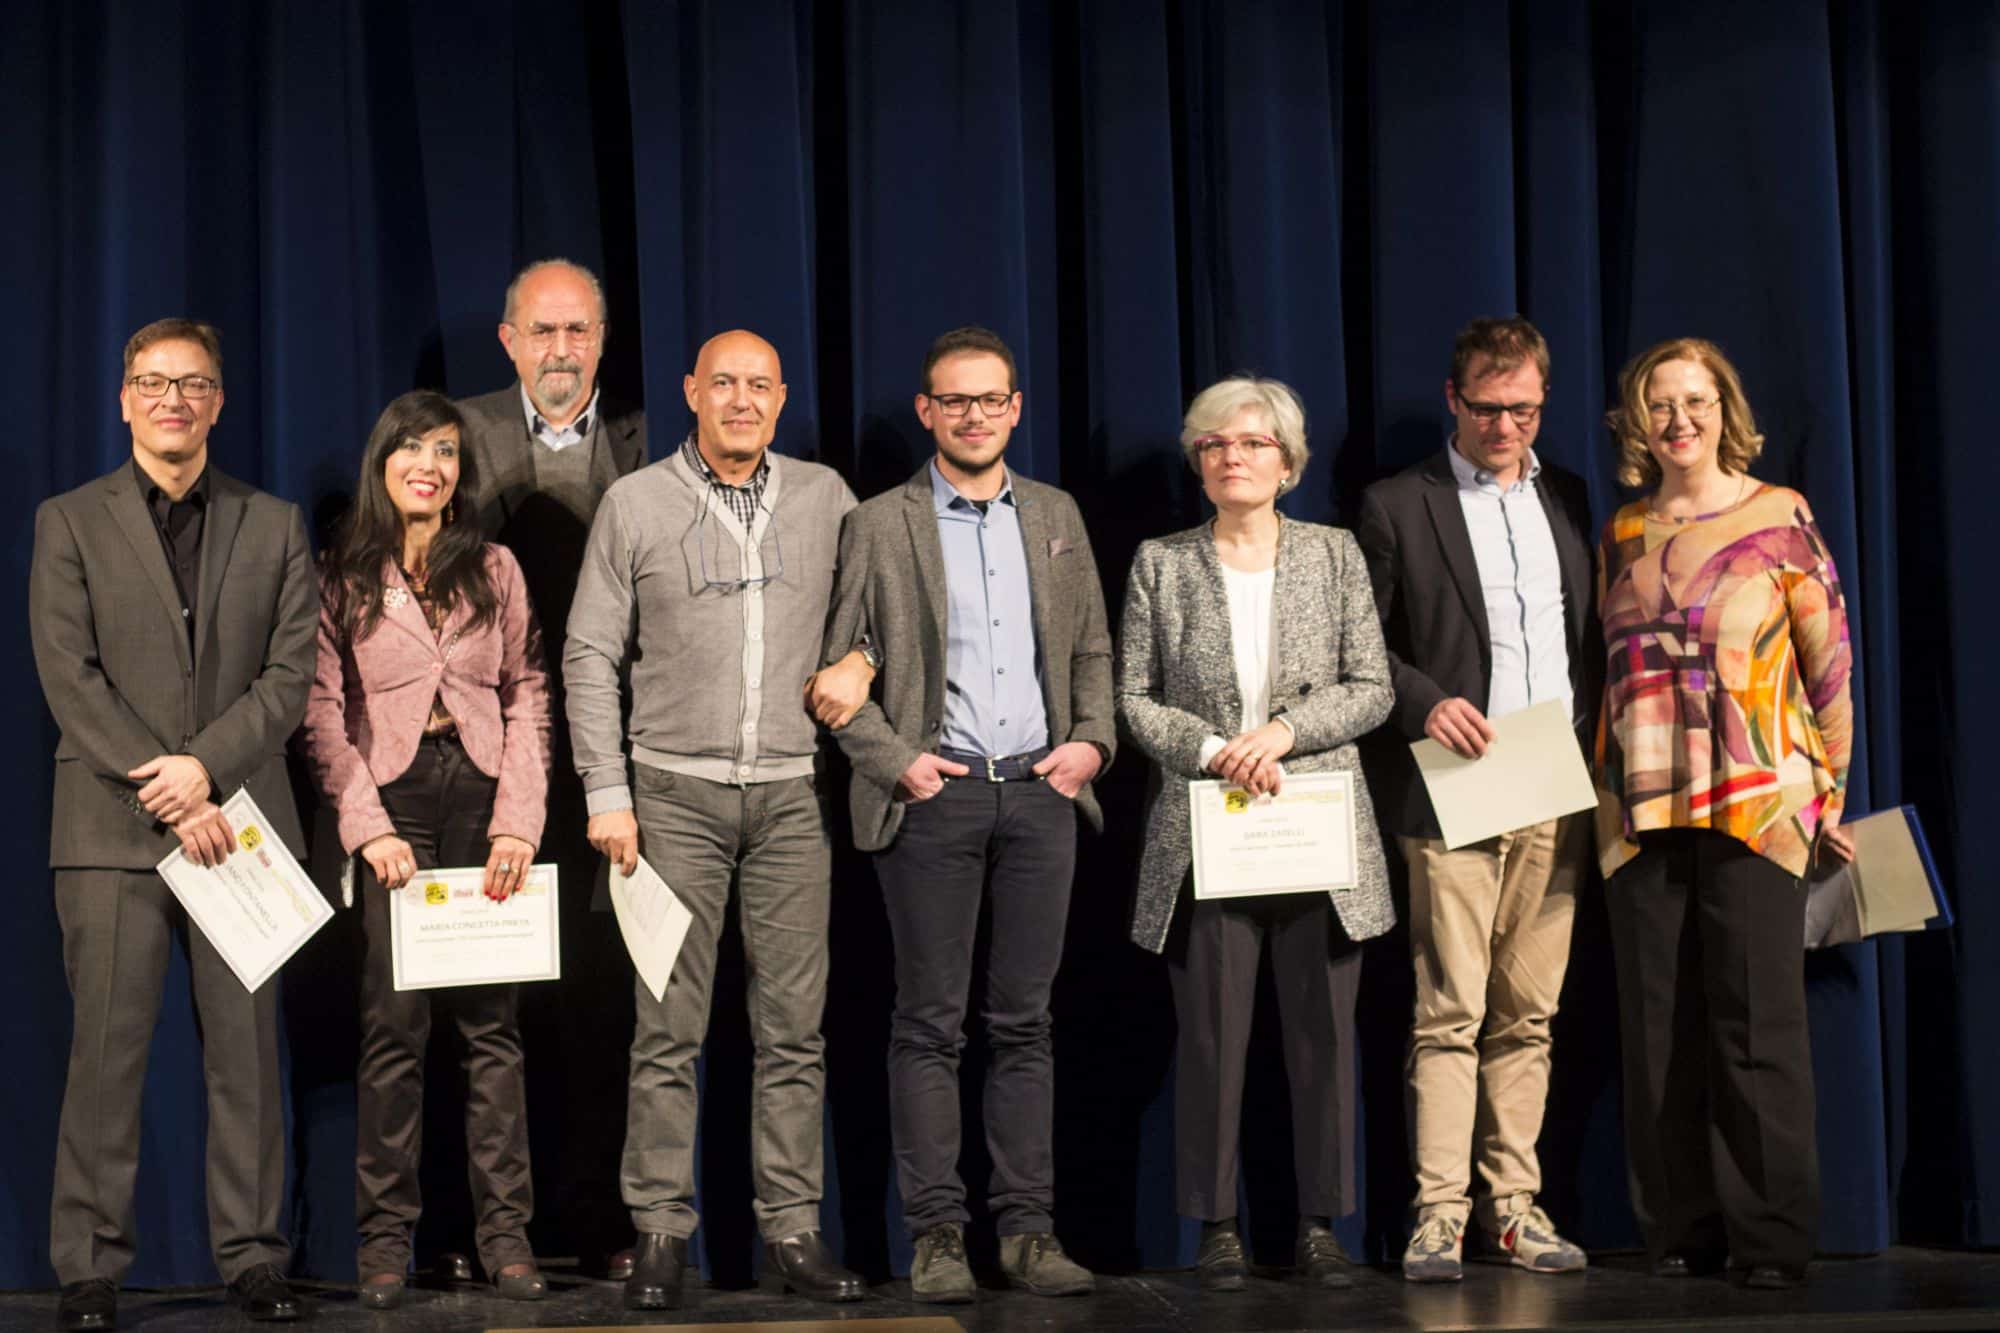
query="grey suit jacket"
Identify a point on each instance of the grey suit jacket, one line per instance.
(1177, 687)
(112, 652)
(892, 588)
(506, 454)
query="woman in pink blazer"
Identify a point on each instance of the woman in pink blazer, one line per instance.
(428, 730)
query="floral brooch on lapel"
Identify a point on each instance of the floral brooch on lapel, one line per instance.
(394, 596)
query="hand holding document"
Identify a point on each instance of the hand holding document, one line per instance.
(1890, 885)
(258, 906)
(1532, 771)
(1299, 840)
(653, 920)
(444, 931)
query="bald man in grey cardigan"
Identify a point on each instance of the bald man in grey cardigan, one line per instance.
(706, 581)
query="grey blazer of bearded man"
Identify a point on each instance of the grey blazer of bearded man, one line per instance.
(1177, 686)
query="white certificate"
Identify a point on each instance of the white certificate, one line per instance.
(1532, 771)
(1298, 841)
(653, 920)
(445, 932)
(258, 906)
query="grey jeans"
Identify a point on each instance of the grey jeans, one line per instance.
(771, 840)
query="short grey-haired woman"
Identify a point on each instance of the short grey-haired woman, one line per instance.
(1251, 649)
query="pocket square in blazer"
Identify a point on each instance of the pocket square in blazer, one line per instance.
(1059, 546)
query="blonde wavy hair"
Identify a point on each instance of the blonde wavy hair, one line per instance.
(1630, 423)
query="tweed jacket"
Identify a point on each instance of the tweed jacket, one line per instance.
(892, 588)
(1177, 687)
(371, 700)
(112, 651)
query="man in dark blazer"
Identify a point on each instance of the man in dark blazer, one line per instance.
(1480, 560)
(992, 712)
(172, 611)
(549, 445)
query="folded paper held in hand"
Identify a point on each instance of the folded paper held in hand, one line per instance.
(444, 931)
(258, 906)
(1532, 771)
(653, 920)
(1890, 885)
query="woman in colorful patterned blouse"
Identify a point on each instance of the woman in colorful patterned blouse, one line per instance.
(1721, 766)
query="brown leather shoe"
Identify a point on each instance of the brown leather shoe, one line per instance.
(92, 1303)
(802, 1263)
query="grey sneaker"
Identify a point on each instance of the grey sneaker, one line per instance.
(1524, 1237)
(1035, 1260)
(940, 1275)
(1436, 1250)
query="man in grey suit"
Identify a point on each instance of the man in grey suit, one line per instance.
(549, 446)
(172, 611)
(991, 715)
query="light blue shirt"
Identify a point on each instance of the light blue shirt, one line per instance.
(1520, 579)
(992, 675)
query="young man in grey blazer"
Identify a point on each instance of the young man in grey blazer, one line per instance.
(173, 611)
(1480, 560)
(991, 715)
(549, 445)
(706, 585)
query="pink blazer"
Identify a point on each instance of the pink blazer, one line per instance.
(370, 701)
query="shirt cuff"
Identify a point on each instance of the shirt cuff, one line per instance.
(1209, 749)
(609, 799)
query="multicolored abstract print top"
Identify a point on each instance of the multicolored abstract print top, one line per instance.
(1726, 701)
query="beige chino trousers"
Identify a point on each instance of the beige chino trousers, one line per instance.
(1489, 940)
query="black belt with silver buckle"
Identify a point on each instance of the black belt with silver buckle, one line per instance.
(1005, 768)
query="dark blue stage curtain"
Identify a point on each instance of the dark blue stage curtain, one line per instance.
(1141, 196)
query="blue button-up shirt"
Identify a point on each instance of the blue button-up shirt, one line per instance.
(1520, 578)
(559, 438)
(992, 678)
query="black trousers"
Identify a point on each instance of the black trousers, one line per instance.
(1709, 938)
(441, 806)
(1212, 964)
(118, 928)
(1012, 845)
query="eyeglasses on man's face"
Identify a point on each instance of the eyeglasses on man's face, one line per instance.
(191, 386)
(958, 404)
(1214, 446)
(541, 337)
(1486, 414)
(1698, 406)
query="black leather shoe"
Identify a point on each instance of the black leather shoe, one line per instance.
(659, 1265)
(1686, 1265)
(1220, 1266)
(618, 1265)
(454, 1267)
(802, 1263)
(1320, 1260)
(1770, 1277)
(263, 1294)
(91, 1303)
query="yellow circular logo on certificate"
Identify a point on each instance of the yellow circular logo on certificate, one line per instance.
(436, 894)
(249, 838)
(1235, 801)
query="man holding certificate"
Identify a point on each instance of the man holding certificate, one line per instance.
(428, 731)
(1480, 559)
(171, 610)
(705, 583)
(1250, 656)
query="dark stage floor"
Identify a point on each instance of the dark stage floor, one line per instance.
(1903, 1289)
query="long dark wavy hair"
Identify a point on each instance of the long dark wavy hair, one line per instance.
(372, 532)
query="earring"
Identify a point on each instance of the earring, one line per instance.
(450, 511)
